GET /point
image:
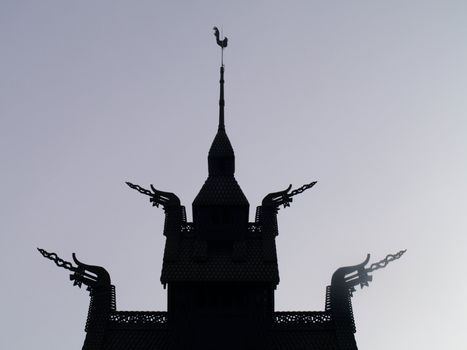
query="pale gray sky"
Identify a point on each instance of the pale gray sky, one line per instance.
(367, 97)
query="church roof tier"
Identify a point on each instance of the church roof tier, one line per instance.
(244, 263)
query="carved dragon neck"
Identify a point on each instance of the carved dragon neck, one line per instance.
(102, 301)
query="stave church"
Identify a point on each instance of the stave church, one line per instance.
(221, 272)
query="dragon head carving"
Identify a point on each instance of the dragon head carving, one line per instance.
(89, 275)
(276, 199)
(348, 277)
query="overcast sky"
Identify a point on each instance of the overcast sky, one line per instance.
(366, 97)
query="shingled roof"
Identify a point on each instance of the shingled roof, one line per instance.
(221, 190)
(221, 146)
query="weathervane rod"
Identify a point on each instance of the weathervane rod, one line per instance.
(222, 43)
(222, 48)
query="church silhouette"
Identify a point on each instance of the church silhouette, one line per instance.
(221, 273)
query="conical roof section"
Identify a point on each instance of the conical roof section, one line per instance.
(221, 146)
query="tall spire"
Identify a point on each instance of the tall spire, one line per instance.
(221, 159)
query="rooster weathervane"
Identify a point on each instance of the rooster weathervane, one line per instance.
(222, 43)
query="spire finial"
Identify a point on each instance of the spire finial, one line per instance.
(223, 44)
